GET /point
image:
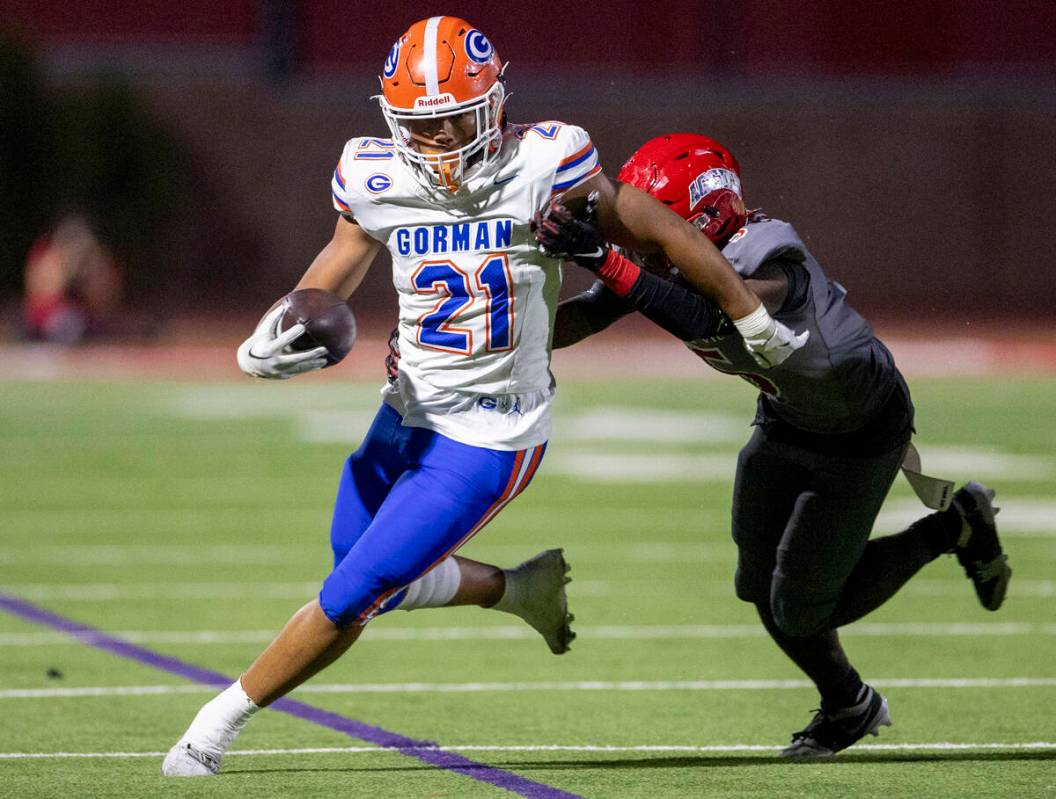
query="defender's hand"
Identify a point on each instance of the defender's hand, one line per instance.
(560, 235)
(768, 341)
(392, 360)
(266, 353)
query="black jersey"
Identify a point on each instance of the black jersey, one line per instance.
(842, 378)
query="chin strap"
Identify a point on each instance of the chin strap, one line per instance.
(934, 492)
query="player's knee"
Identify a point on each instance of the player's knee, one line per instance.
(797, 624)
(352, 596)
(751, 587)
(798, 612)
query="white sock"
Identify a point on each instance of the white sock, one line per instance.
(221, 719)
(433, 589)
(513, 596)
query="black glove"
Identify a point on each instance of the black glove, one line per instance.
(561, 235)
(392, 360)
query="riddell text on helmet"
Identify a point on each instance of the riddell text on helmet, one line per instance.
(434, 101)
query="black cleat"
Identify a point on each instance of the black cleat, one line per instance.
(832, 732)
(979, 550)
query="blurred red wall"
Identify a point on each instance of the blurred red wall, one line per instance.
(748, 36)
(911, 143)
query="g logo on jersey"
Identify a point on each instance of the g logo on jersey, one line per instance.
(392, 60)
(378, 182)
(478, 48)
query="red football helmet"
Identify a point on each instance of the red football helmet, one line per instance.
(696, 177)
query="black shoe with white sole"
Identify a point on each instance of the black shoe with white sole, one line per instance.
(833, 731)
(979, 549)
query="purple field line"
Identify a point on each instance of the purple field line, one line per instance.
(425, 751)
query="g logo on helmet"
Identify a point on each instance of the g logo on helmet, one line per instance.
(478, 48)
(392, 60)
(378, 182)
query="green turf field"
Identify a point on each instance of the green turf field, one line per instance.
(192, 520)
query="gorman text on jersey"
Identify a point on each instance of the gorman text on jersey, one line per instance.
(490, 234)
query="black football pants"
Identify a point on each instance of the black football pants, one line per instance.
(801, 521)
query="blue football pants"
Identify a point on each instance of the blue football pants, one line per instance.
(407, 499)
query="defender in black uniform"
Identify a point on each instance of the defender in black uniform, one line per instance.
(833, 424)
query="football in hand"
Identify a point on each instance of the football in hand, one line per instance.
(327, 319)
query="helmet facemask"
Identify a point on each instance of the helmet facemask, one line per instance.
(448, 170)
(715, 195)
(722, 214)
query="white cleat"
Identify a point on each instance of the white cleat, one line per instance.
(186, 760)
(535, 591)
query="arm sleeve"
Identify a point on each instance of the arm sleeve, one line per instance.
(675, 307)
(586, 314)
(798, 283)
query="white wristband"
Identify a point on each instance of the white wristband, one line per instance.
(755, 323)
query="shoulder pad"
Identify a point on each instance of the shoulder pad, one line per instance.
(577, 158)
(548, 131)
(361, 156)
(759, 241)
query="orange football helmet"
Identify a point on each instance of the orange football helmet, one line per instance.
(443, 67)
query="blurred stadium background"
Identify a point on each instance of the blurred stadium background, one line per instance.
(911, 143)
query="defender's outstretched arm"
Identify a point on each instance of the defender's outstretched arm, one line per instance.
(618, 213)
(632, 219)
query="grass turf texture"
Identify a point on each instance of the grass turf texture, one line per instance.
(163, 509)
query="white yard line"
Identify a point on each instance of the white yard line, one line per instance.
(103, 690)
(637, 467)
(716, 465)
(941, 746)
(90, 557)
(955, 586)
(523, 632)
(326, 417)
(111, 592)
(516, 687)
(1020, 517)
(606, 424)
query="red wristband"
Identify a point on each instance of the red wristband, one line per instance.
(618, 273)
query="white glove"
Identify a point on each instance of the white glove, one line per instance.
(768, 341)
(266, 353)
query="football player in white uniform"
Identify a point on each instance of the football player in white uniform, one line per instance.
(462, 430)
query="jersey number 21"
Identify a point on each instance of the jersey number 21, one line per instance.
(459, 289)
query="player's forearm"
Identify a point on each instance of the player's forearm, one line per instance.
(335, 271)
(704, 268)
(343, 263)
(675, 308)
(586, 314)
(672, 305)
(570, 325)
(642, 224)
